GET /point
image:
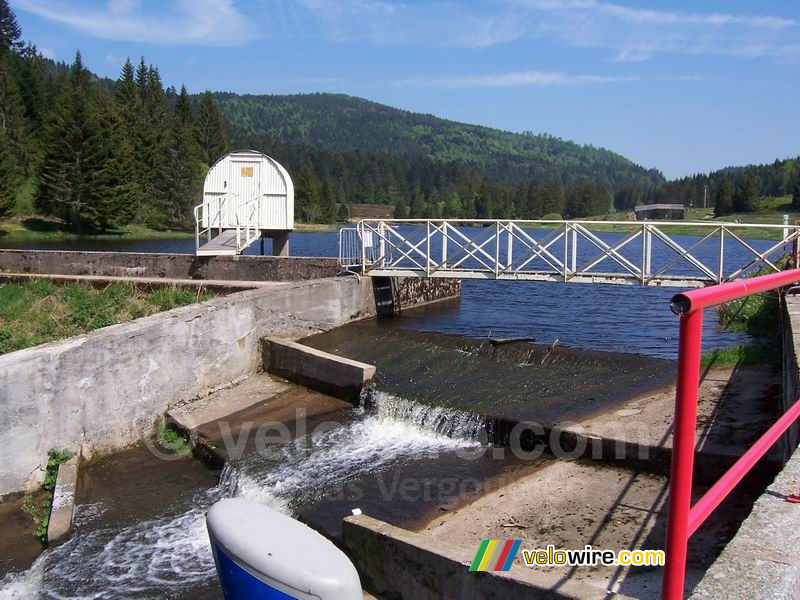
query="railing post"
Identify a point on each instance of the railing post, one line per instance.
(574, 265)
(496, 249)
(428, 249)
(566, 249)
(509, 258)
(680, 490)
(382, 243)
(720, 274)
(361, 233)
(444, 244)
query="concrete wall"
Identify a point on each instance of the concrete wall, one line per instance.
(105, 389)
(400, 564)
(316, 369)
(108, 387)
(173, 266)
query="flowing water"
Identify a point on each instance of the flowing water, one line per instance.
(167, 554)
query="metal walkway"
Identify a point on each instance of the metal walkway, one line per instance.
(676, 254)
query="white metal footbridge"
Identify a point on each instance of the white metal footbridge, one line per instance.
(679, 254)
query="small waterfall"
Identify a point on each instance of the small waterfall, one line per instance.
(449, 422)
(170, 553)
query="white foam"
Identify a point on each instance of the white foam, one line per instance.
(151, 557)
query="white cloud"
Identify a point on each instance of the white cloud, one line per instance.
(123, 6)
(631, 34)
(201, 22)
(514, 79)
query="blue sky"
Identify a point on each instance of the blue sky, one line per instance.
(684, 86)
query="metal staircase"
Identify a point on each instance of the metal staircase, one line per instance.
(224, 226)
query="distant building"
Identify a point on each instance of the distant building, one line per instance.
(668, 212)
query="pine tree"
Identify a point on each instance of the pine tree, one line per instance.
(33, 84)
(210, 129)
(327, 201)
(586, 199)
(400, 209)
(307, 195)
(127, 92)
(114, 183)
(343, 215)
(723, 197)
(8, 178)
(553, 198)
(186, 176)
(155, 152)
(65, 176)
(10, 31)
(183, 108)
(796, 187)
(745, 198)
(12, 128)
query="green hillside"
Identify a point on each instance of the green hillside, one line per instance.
(344, 123)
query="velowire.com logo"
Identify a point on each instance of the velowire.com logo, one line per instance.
(495, 555)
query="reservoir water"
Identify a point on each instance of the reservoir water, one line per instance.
(419, 425)
(616, 318)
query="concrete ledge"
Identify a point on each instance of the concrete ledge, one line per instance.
(170, 266)
(396, 563)
(315, 369)
(63, 508)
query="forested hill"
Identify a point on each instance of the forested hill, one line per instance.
(345, 123)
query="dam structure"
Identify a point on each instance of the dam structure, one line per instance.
(322, 385)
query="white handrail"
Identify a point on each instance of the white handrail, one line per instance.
(549, 250)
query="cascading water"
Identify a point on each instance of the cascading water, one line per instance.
(170, 554)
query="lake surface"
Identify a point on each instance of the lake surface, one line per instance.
(615, 318)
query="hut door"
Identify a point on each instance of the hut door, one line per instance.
(246, 186)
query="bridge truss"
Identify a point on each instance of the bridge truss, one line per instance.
(675, 254)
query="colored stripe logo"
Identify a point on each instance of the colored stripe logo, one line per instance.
(494, 555)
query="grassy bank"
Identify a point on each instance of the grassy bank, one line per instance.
(45, 228)
(40, 228)
(39, 311)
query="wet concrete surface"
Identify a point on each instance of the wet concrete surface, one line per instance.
(519, 381)
(20, 546)
(135, 485)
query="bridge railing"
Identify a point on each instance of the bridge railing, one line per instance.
(685, 254)
(684, 518)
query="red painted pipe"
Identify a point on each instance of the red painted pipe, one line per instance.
(682, 520)
(680, 490)
(733, 290)
(720, 490)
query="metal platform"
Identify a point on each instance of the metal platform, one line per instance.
(223, 244)
(671, 254)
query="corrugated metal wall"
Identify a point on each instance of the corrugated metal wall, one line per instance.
(242, 176)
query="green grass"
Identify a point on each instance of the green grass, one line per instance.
(38, 311)
(770, 212)
(39, 510)
(741, 355)
(172, 440)
(45, 228)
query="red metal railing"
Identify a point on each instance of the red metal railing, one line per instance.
(684, 519)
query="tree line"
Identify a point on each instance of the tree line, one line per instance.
(730, 190)
(100, 154)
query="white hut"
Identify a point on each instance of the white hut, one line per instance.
(246, 195)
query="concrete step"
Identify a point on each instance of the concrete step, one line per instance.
(216, 423)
